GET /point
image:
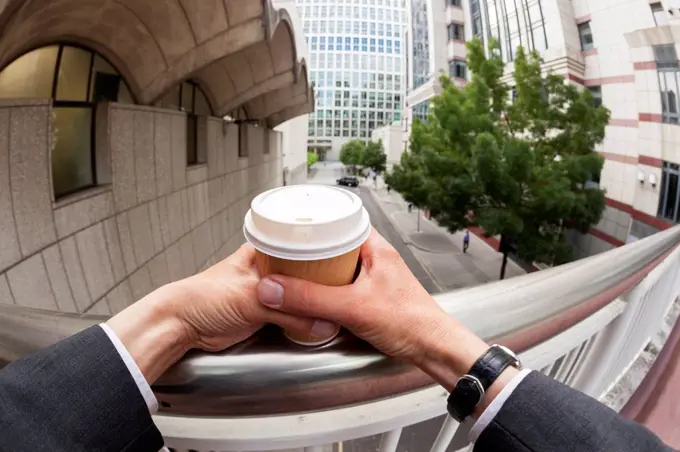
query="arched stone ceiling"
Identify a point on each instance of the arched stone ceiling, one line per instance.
(238, 50)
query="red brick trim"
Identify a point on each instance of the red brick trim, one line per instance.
(606, 237)
(650, 117)
(644, 65)
(619, 158)
(642, 217)
(650, 161)
(457, 22)
(458, 41)
(462, 81)
(582, 19)
(619, 205)
(623, 122)
(610, 80)
(575, 78)
(589, 52)
(461, 59)
(658, 223)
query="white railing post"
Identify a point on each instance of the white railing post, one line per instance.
(619, 344)
(390, 440)
(449, 427)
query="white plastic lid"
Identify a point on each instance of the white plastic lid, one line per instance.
(306, 222)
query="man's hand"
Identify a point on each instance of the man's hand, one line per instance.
(212, 311)
(387, 307)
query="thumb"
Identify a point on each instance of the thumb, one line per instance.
(304, 298)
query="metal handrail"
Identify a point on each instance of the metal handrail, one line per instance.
(269, 375)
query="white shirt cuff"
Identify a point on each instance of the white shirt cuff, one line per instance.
(142, 384)
(496, 405)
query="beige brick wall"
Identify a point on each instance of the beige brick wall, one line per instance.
(157, 221)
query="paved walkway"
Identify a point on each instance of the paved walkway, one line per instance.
(440, 252)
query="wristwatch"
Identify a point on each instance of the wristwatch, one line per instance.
(471, 387)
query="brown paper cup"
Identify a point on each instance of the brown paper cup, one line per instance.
(309, 232)
(336, 271)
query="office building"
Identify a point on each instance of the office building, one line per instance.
(625, 53)
(357, 64)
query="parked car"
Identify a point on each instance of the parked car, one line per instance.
(349, 181)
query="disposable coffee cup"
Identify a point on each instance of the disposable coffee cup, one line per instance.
(310, 232)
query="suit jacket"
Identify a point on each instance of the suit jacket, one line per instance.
(75, 396)
(78, 395)
(544, 415)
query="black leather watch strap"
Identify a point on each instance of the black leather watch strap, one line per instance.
(491, 364)
(471, 387)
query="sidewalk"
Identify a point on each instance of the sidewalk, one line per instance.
(440, 252)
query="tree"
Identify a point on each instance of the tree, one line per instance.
(374, 156)
(516, 168)
(351, 154)
(312, 158)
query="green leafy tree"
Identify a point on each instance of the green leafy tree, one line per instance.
(312, 158)
(516, 168)
(351, 154)
(374, 156)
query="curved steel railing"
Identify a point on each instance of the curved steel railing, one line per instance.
(268, 375)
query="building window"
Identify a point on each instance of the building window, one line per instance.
(596, 92)
(660, 16)
(190, 98)
(456, 32)
(454, 2)
(586, 36)
(76, 79)
(458, 69)
(668, 74)
(665, 56)
(669, 196)
(243, 139)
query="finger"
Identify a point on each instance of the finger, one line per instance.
(296, 326)
(245, 255)
(306, 299)
(374, 246)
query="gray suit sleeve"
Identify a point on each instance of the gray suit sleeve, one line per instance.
(543, 415)
(74, 396)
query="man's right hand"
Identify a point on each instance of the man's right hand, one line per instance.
(387, 307)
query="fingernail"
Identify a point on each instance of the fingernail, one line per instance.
(323, 329)
(270, 293)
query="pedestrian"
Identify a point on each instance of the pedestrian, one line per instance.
(466, 241)
(389, 189)
(410, 207)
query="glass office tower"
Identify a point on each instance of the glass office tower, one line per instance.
(357, 63)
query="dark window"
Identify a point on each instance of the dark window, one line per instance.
(596, 91)
(660, 17)
(586, 36)
(190, 98)
(668, 74)
(243, 139)
(456, 32)
(453, 2)
(669, 197)
(458, 69)
(665, 56)
(76, 79)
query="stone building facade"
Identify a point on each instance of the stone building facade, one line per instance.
(116, 181)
